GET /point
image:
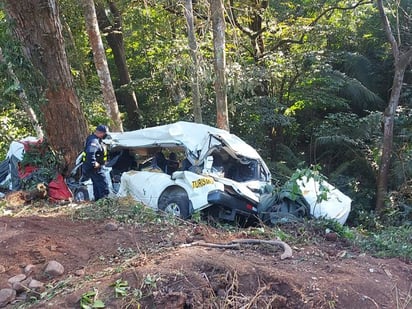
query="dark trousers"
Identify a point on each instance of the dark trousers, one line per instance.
(100, 184)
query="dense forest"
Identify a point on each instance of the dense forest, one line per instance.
(309, 84)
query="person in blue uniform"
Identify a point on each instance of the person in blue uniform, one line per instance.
(94, 157)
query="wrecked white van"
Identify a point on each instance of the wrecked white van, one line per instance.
(215, 168)
(186, 167)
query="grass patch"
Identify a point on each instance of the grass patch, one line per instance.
(124, 210)
(322, 226)
(389, 242)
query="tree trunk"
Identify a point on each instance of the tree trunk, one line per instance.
(402, 58)
(197, 110)
(114, 36)
(37, 25)
(219, 27)
(256, 27)
(388, 122)
(102, 68)
(23, 98)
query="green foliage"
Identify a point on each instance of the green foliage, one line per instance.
(399, 209)
(317, 96)
(361, 98)
(349, 129)
(328, 226)
(28, 79)
(95, 111)
(150, 281)
(389, 242)
(293, 189)
(89, 300)
(41, 175)
(347, 146)
(397, 213)
(40, 156)
(133, 296)
(121, 288)
(153, 37)
(281, 171)
(365, 73)
(196, 216)
(401, 171)
(259, 117)
(14, 126)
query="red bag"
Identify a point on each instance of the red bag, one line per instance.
(58, 189)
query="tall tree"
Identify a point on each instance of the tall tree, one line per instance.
(111, 27)
(219, 44)
(401, 46)
(197, 110)
(37, 25)
(102, 68)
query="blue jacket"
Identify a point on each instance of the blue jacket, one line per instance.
(94, 151)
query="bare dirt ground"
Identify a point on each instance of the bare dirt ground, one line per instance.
(160, 270)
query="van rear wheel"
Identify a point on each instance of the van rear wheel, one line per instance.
(81, 194)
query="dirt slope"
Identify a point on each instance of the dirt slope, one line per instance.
(161, 273)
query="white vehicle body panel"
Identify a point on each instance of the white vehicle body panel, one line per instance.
(337, 206)
(241, 188)
(196, 186)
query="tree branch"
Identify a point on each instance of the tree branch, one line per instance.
(330, 9)
(388, 31)
(250, 33)
(333, 8)
(235, 244)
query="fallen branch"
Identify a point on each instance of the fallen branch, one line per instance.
(211, 245)
(287, 250)
(235, 244)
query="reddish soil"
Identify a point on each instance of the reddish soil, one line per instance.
(161, 273)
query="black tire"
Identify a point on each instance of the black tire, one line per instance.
(284, 211)
(81, 194)
(175, 202)
(273, 212)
